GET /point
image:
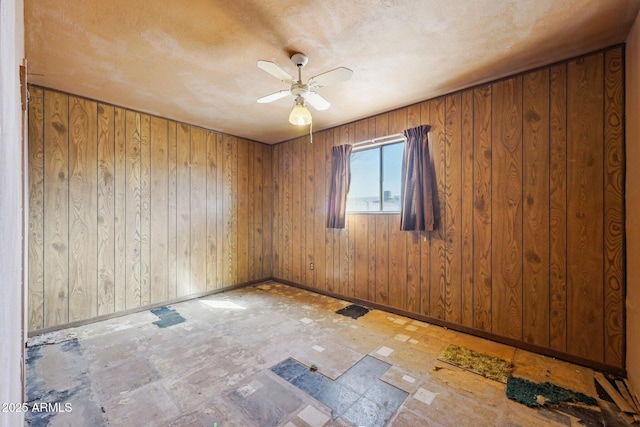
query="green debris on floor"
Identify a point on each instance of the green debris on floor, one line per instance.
(534, 394)
(490, 367)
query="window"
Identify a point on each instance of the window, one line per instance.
(376, 179)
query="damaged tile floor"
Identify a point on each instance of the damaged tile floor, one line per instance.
(275, 355)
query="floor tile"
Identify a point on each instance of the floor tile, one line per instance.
(289, 369)
(312, 383)
(425, 396)
(338, 398)
(384, 351)
(313, 416)
(367, 413)
(364, 374)
(270, 404)
(386, 395)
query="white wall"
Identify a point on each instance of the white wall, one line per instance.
(633, 203)
(11, 233)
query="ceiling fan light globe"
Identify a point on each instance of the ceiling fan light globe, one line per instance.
(300, 115)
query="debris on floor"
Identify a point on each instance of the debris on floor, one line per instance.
(168, 317)
(617, 391)
(490, 367)
(542, 394)
(354, 311)
(50, 338)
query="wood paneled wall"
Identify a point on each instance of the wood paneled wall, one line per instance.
(128, 210)
(529, 244)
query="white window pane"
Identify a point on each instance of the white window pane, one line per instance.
(364, 192)
(391, 172)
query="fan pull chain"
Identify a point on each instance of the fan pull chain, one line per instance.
(311, 132)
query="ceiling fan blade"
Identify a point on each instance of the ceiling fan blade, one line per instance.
(317, 102)
(276, 71)
(334, 76)
(273, 96)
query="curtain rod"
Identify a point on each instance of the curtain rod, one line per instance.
(380, 140)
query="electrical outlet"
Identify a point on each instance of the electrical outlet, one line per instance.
(311, 266)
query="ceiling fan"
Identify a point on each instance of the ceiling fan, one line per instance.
(304, 92)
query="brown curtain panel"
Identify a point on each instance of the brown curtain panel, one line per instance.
(417, 187)
(340, 181)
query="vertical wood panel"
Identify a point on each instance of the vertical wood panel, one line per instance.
(83, 209)
(212, 211)
(242, 212)
(183, 209)
(106, 209)
(310, 212)
(234, 141)
(452, 206)
(397, 264)
(159, 209)
(297, 197)
(277, 210)
(372, 233)
(253, 206)
(145, 206)
(198, 210)
(252, 256)
(361, 236)
(229, 244)
(319, 222)
(120, 205)
(506, 209)
(172, 214)
(614, 268)
(482, 166)
(56, 209)
(585, 207)
(132, 203)
(220, 211)
(285, 256)
(36, 210)
(466, 208)
(351, 256)
(558, 207)
(437, 261)
(535, 124)
(267, 211)
(382, 259)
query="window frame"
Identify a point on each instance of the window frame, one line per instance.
(378, 144)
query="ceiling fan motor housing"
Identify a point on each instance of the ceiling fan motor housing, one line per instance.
(299, 59)
(300, 89)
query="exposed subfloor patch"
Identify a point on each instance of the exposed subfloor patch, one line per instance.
(168, 317)
(57, 384)
(354, 311)
(358, 395)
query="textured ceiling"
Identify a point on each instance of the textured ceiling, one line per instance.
(195, 61)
